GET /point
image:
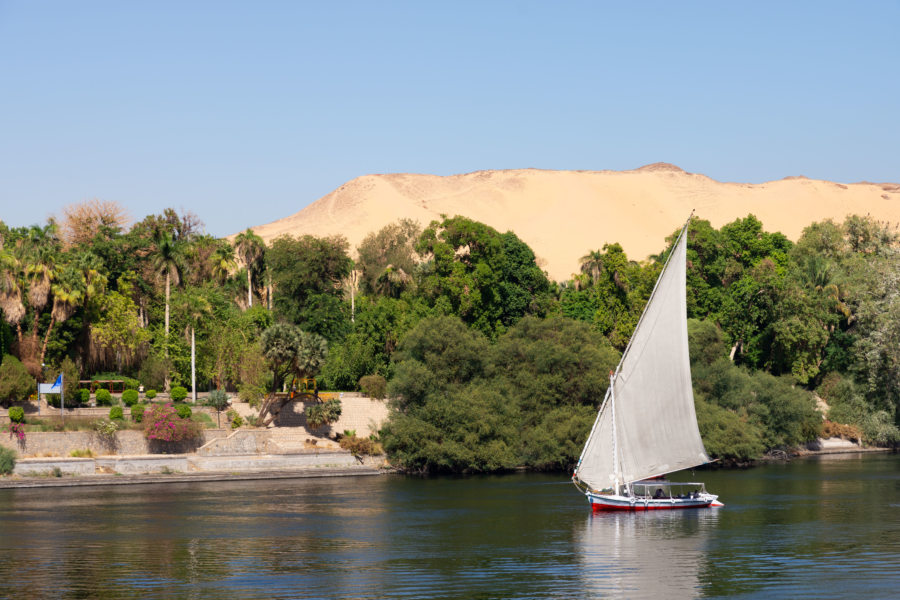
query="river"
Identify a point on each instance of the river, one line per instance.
(822, 527)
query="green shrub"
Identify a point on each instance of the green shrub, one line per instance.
(325, 413)
(183, 411)
(106, 429)
(373, 386)
(217, 399)
(104, 398)
(234, 418)
(150, 394)
(130, 397)
(84, 396)
(15, 382)
(137, 412)
(7, 460)
(154, 371)
(131, 384)
(116, 413)
(251, 394)
(178, 394)
(16, 414)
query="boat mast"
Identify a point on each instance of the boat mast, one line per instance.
(615, 452)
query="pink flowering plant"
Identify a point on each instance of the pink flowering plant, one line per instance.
(161, 422)
(17, 430)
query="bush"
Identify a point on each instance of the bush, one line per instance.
(373, 386)
(234, 418)
(104, 398)
(162, 423)
(15, 382)
(359, 446)
(150, 394)
(218, 400)
(116, 413)
(7, 460)
(183, 411)
(84, 396)
(251, 394)
(131, 384)
(137, 412)
(178, 394)
(325, 413)
(106, 429)
(130, 397)
(154, 371)
(16, 414)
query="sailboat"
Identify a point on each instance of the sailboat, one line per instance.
(646, 427)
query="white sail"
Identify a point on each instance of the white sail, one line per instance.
(655, 422)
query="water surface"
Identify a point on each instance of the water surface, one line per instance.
(826, 527)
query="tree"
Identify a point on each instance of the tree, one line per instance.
(16, 383)
(292, 355)
(193, 306)
(167, 260)
(83, 221)
(488, 279)
(306, 274)
(117, 329)
(392, 247)
(251, 250)
(69, 290)
(592, 264)
(218, 400)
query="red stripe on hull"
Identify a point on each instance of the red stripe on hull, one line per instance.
(636, 507)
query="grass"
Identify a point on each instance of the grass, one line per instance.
(204, 419)
(50, 424)
(86, 453)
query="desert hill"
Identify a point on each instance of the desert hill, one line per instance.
(564, 214)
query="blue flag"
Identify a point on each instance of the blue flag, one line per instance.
(58, 381)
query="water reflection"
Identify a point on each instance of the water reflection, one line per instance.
(819, 529)
(644, 555)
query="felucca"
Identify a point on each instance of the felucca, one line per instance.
(647, 425)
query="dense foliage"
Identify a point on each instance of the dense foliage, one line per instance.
(463, 404)
(488, 364)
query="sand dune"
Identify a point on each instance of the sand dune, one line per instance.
(564, 214)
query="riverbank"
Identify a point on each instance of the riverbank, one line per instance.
(132, 470)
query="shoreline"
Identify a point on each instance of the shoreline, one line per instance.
(105, 479)
(45, 481)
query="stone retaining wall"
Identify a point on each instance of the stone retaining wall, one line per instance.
(129, 442)
(242, 441)
(187, 463)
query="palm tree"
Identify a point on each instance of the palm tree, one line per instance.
(251, 249)
(12, 286)
(223, 262)
(592, 264)
(69, 289)
(39, 275)
(392, 281)
(167, 260)
(350, 283)
(194, 306)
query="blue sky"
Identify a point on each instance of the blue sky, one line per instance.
(245, 112)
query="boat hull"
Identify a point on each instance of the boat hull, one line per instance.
(605, 502)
